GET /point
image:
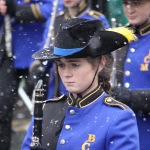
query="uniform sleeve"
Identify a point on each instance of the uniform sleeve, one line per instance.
(47, 8)
(137, 99)
(140, 100)
(123, 132)
(27, 140)
(32, 12)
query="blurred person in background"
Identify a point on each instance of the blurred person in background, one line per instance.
(21, 27)
(55, 87)
(114, 9)
(133, 68)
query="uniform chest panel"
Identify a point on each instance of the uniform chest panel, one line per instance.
(137, 64)
(85, 128)
(82, 131)
(53, 115)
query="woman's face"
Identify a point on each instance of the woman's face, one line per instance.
(71, 3)
(77, 74)
(137, 11)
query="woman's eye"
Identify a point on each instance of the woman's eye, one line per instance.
(75, 65)
(133, 3)
(60, 65)
(136, 3)
(125, 3)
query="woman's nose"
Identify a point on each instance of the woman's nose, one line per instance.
(130, 9)
(67, 73)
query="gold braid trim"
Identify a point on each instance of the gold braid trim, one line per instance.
(34, 11)
(37, 12)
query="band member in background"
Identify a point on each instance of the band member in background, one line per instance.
(114, 10)
(134, 70)
(88, 118)
(24, 22)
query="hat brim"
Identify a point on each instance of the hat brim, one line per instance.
(45, 54)
(102, 43)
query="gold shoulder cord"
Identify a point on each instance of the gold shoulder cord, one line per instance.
(112, 102)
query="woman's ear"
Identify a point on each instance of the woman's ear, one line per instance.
(102, 64)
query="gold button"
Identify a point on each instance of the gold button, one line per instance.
(67, 127)
(62, 142)
(128, 60)
(132, 50)
(109, 100)
(127, 73)
(72, 112)
(127, 85)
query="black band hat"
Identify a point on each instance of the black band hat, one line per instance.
(79, 38)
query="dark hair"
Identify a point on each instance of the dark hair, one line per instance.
(104, 75)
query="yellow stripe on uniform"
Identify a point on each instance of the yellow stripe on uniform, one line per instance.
(40, 17)
(34, 11)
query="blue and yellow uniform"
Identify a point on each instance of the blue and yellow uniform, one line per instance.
(55, 87)
(134, 61)
(95, 122)
(85, 119)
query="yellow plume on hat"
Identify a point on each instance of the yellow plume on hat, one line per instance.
(128, 33)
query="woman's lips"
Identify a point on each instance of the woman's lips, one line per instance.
(69, 83)
(68, 2)
(132, 17)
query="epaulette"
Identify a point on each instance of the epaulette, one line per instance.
(112, 102)
(60, 14)
(95, 14)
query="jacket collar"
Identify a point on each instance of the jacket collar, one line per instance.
(81, 10)
(87, 99)
(142, 31)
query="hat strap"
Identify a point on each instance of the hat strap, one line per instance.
(79, 95)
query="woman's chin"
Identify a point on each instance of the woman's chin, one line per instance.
(135, 22)
(73, 90)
